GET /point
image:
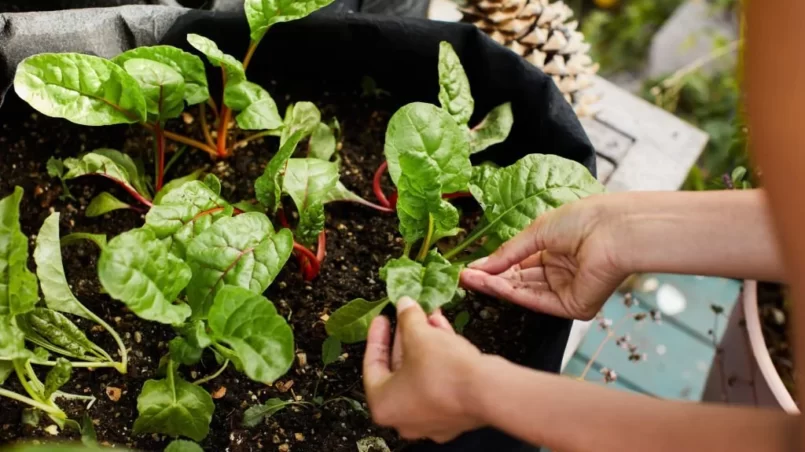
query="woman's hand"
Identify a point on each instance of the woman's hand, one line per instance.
(565, 263)
(420, 384)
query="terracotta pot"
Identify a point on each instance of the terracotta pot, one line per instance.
(744, 359)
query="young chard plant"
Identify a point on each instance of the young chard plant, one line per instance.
(428, 153)
(24, 319)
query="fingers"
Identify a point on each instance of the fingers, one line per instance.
(533, 295)
(438, 320)
(396, 351)
(523, 245)
(376, 365)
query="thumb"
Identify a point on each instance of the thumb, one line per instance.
(512, 252)
(410, 316)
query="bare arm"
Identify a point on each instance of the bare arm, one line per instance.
(568, 415)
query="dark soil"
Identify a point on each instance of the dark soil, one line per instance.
(359, 241)
(775, 312)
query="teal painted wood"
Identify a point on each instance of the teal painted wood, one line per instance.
(678, 351)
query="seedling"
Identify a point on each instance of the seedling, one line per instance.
(428, 156)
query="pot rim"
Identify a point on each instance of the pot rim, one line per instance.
(761, 353)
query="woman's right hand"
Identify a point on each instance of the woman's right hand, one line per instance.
(566, 263)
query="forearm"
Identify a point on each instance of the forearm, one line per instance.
(720, 233)
(568, 415)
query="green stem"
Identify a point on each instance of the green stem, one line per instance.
(201, 381)
(68, 396)
(423, 251)
(254, 136)
(477, 234)
(174, 158)
(34, 403)
(82, 364)
(122, 366)
(316, 388)
(407, 250)
(20, 370)
(34, 379)
(56, 349)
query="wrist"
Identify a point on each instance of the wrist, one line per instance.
(477, 398)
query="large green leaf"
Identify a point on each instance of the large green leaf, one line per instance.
(18, 290)
(350, 323)
(242, 251)
(104, 203)
(480, 174)
(308, 182)
(250, 324)
(301, 116)
(174, 407)
(162, 87)
(176, 183)
(268, 187)
(262, 14)
(258, 109)
(232, 67)
(516, 195)
(432, 283)
(322, 142)
(454, 87)
(6, 367)
(494, 128)
(183, 352)
(428, 133)
(420, 206)
(58, 376)
(139, 270)
(12, 339)
(184, 213)
(188, 65)
(84, 89)
(50, 270)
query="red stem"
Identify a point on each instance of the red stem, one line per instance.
(160, 137)
(313, 270)
(381, 197)
(321, 247)
(458, 194)
(128, 189)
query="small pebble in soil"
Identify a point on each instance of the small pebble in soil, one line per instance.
(52, 429)
(113, 393)
(219, 393)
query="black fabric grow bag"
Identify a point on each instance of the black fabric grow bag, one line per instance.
(401, 55)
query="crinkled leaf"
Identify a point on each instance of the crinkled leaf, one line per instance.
(188, 65)
(432, 283)
(140, 271)
(249, 206)
(58, 376)
(213, 183)
(258, 109)
(494, 128)
(372, 444)
(104, 203)
(50, 270)
(184, 213)
(330, 350)
(98, 239)
(41, 353)
(301, 116)
(268, 187)
(262, 14)
(454, 87)
(516, 195)
(350, 323)
(322, 142)
(250, 324)
(6, 367)
(480, 174)
(18, 289)
(174, 407)
(183, 352)
(53, 328)
(181, 445)
(84, 89)
(232, 67)
(12, 339)
(254, 415)
(162, 87)
(134, 170)
(100, 164)
(176, 183)
(427, 133)
(420, 203)
(242, 251)
(308, 182)
(195, 333)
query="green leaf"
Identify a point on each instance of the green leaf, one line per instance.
(84, 89)
(184, 213)
(181, 445)
(322, 143)
(213, 183)
(738, 174)
(301, 116)
(372, 444)
(258, 109)
(88, 436)
(188, 65)
(249, 206)
(140, 271)
(195, 333)
(176, 183)
(104, 203)
(30, 417)
(427, 133)
(50, 270)
(330, 350)
(100, 164)
(162, 87)
(232, 67)
(342, 193)
(494, 128)
(255, 415)
(98, 239)
(55, 169)
(432, 283)
(58, 376)
(133, 170)
(242, 251)
(12, 339)
(262, 14)
(309, 182)
(268, 187)
(516, 195)
(420, 201)
(6, 367)
(250, 324)
(174, 407)
(350, 323)
(183, 352)
(480, 174)
(54, 328)
(18, 289)
(461, 321)
(41, 353)
(454, 87)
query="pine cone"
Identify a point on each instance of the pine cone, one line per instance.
(539, 32)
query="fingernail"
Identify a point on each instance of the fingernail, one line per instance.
(478, 263)
(405, 303)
